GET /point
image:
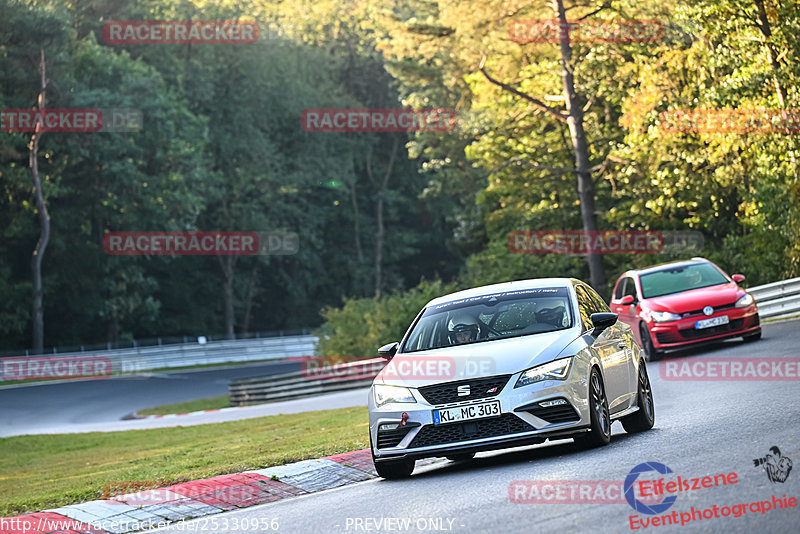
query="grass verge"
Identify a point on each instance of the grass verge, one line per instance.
(39, 472)
(209, 403)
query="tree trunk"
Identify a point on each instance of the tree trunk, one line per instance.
(248, 302)
(574, 120)
(112, 337)
(44, 219)
(585, 186)
(379, 230)
(226, 263)
(772, 55)
(358, 275)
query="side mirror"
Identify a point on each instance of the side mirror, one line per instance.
(738, 278)
(388, 351)
(601, 321)
(627, 299)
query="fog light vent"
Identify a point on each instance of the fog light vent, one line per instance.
(556, 402)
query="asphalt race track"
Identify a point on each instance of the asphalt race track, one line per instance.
(703, 428)
(39, 408)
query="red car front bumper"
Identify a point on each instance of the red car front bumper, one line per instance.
(742, 321)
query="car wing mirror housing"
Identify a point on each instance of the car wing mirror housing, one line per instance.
(627, 299)
(738, 278)
(388, 351)
(601, 321)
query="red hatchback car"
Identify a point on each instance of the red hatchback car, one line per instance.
(676, 304)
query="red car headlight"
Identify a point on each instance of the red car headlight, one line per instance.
(663, 316)
(745, 301)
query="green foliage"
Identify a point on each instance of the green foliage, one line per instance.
(361, 326)
(220, 149)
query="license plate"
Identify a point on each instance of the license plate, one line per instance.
(714, 321)
(466, 413)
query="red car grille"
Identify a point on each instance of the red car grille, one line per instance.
(716, 309)
(688, 334)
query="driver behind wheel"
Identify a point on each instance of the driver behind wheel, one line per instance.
(462, 328)
(553, 316)
(694, 278)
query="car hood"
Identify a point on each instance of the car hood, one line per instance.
(487, 358)
(696, 299)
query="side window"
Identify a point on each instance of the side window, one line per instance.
(630, 288)
(585, 307)
(619, 290)
(598, 304)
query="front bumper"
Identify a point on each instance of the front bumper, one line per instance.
(675, 334)
(522, 420)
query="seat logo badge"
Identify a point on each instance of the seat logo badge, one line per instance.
(463, 391)
(494, 389)
(708, 310)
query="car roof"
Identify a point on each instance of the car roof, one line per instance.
(505, 286)
(662, 266)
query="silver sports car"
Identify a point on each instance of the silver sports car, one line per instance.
(506, 365)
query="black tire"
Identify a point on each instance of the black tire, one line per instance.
(752, 337)
(599, 433)
(465, 457)
(645, 417)
(650, 351)
(394, 469)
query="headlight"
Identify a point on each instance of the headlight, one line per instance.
(386, 394)
(557, 370)
(745, 301)
(663, 317)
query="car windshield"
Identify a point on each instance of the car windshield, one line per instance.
(487, 317)
(680, 278)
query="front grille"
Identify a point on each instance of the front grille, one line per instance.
(392, 438)
(482, 428)
(716, 309)
(668, 337)
(693, 333)
(554, 414)
(479, 388)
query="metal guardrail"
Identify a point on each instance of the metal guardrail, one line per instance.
(311, 380)
(778, 299)
(154, 342)
(190, 354)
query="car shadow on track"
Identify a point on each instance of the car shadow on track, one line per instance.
(707, 348)
(543, 451)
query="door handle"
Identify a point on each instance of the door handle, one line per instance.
(622, 345)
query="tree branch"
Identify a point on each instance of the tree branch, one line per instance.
(553, 112)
